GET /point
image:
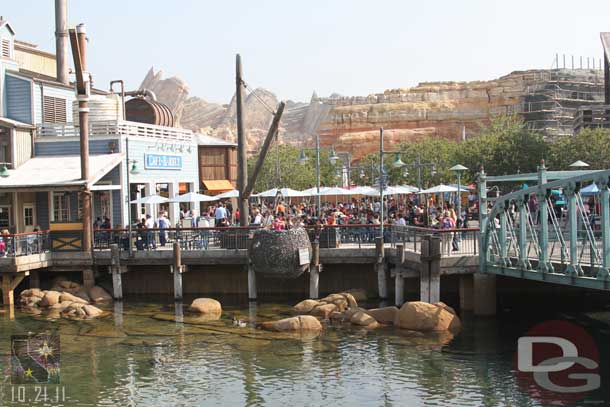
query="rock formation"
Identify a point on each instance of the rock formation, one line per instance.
(434, 109)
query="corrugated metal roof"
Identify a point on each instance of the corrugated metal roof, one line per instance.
(58, 171)
(205, 140)
(38, 77)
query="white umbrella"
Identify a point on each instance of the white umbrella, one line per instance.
(193, 197)
(229, 194)
(406, 189)
(150, 199)
(313, 191)
(287, 192)
(328, 191)
(439, 189)
(369, 191)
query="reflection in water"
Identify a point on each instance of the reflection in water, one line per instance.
(150, 354)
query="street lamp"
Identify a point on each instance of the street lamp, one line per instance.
(333, 157)
(4, 170)
(459, 169)
(398, 163)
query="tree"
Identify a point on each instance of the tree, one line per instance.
(589, 145)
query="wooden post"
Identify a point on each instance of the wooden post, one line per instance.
(115, 269)
(9, 283)
(430, 273)
(314, 271)
(242, 158)
(399, 281)
(118, 312)
(177, 270)
(88, 278)
(251, 282)
(382, 282)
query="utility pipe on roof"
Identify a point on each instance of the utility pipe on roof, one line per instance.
(142, 92)
(61, 41)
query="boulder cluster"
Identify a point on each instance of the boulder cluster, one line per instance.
(66, 299)
(343, 307)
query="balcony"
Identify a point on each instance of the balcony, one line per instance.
(116, 128)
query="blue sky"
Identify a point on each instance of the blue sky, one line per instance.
(351, 47)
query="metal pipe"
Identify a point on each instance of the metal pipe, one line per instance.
(381, 181)
(242, 158)
(128, 195)
(122, 83)
(142, 92)
(61, 41)
(318, 199)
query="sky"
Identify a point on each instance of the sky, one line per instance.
(292, 48)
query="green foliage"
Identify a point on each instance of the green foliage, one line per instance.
(292, 174)
(589, 145)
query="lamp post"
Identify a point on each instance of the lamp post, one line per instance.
(333, 157)
(459, 169)
(4, 169)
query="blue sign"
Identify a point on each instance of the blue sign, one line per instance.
(162, 162)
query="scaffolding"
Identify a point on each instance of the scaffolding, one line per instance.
(554, 97)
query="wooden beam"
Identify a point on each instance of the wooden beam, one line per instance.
(9, 283)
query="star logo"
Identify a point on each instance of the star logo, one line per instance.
(28, 373)
(45, 350)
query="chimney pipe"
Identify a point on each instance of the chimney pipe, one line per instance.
(61, 40)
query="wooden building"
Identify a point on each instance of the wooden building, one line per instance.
(217, 164)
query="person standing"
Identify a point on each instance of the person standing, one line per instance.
(150, 237)
(163, 224)
(220, 215)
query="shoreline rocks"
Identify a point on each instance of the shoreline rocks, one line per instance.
(68, 300)
(422, 316)
(208, 307)
(292, 324)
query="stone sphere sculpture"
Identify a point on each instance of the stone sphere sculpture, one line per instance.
(276, 253)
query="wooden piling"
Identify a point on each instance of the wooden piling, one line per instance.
(382, 281)
(115, 270)
(399, 281)
(251, 283)
(314, 271)
(177, 270)
(10, 281)
(430, 274)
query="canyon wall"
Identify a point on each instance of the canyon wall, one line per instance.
(448, 110)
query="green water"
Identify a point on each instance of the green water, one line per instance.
(143, 356)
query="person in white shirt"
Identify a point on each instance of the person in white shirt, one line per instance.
(220, 214)
(150, 236)
(258, 219)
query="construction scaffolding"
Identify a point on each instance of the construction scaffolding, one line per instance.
(552, 101)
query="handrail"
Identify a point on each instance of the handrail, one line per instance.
(40, 232)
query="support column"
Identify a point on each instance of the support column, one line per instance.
(604, 272)
(177, 270)
(150, 189)
(174, 207)
(88, 278)
(314, 272)
(484, 294)
(382, 280)
(252, 293)
(34, 279)
(115, 270)
(524, 262)
(503, 241)
(466, 292)
(573, 268)
(430, 273)
(399, 280)
(9, 283)
(118, 313)
(544, 265)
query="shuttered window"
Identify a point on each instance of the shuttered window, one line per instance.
(54, 110)
(6, 48)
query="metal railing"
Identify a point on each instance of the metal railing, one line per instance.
(24, 244)
(116, 127)
(454, 242)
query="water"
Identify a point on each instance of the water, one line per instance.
(143, 357)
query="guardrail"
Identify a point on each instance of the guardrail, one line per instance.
(24, 244)
(454, 242)
(116, 127)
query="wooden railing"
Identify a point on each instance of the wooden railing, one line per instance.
(119, 127)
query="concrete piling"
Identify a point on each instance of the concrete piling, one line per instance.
(430, 275)
(252, 294)
(177, 270)
(484, 290)
(380, 268)
(314, 271)
(115, 270)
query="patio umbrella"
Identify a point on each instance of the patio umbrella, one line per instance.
(286, 192)
(590, 190)
(368, 191)
(329, 191)
(439, 189)
(193, 197)
(150, 199)
(229, 194)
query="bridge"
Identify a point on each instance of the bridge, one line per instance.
(527, 234)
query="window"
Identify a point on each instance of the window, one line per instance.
(61, 206)
(6, 48)
(28, 216)
(54, 110)
(5, 217)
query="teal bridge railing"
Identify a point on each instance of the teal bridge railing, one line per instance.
(547, 232)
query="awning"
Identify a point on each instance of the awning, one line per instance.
(55, 172)
(219, 185)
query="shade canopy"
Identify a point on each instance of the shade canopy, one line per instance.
(439, 189)
(218, 185)
(590, 190)
(287, 192)
(193, 197)
(329, 191)
(150, 199)
(579, 164)
(229, 194)
(464, 187)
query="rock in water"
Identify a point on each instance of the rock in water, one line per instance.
(276, 253)
(363, 319)
(305, 306)
(71, 298)
(422, 316)
(385, 315)
(298, 323)
(50, 298)
(206, 306)
(98, 294)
